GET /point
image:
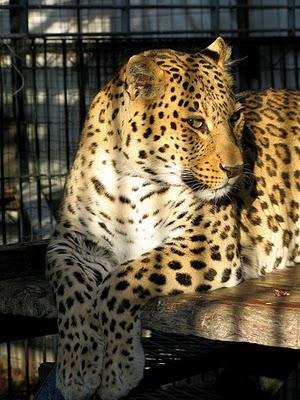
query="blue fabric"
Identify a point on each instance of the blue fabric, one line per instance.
(48, 389)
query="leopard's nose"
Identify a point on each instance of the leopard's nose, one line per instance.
(232, 172)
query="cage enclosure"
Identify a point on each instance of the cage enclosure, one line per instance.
(55, 56)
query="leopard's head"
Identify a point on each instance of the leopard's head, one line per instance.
(176, 119)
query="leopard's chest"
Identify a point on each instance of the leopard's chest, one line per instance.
(136, 216)
(149, 223)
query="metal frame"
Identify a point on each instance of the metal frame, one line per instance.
(29, 71)
(76, 64)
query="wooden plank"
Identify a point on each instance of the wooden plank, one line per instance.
(27, 297)
(18, 327)
(247, 313)
(22, 259)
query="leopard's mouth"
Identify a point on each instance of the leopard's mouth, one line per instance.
(192, 182)
(204, 191)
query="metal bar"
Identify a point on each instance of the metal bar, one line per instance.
(297, 382)
(27, 377)
(18, 15)
(291, 17)
(37, 166)
(144, 6)
(35, 176)
(48, 119)
(105, 67)
(283, 69)
(259, 67)
(296, 53)
(98, 72)
(81, 82)
(81, 86)
(2, 173)
(243, 17)
(9, 372)
(78, 19)
(214, 17)
(125, 16)
(141, 41)
(141, 34)
(44, 340)
(272, 64)
(157, 16)
(66, 110)
(19, 25)
(19, 117)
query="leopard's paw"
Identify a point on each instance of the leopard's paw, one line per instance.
(123, 368)
(79, 365)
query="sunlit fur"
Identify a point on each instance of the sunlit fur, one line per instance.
(169, 194)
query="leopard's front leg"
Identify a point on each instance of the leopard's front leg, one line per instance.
(187, 265)
(75, 267)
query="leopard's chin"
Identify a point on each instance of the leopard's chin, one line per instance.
(214, 194)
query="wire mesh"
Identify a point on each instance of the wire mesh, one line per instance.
(56, 54)
(19, 363)
(177, 367)
(155, 18)
(46, 85)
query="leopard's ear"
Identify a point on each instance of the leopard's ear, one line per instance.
(144, 77)
(218, 51)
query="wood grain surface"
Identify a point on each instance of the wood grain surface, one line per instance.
(250, 312)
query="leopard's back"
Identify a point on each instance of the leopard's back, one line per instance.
(270, 199)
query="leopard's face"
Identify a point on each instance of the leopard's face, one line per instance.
(182, 121)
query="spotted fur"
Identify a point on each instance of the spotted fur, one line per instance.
(169, 193)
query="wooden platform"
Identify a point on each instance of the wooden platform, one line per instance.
(264, 311)
(250, 312)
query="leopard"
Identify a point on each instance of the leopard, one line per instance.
(179, 185)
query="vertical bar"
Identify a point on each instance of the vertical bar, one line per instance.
(19, 24)
(215, 17)
(171, 18)
(298, 382)
(242, 16)
(105, 57)
(78, 16)
(3, 219)
(9, 373)
(19, 116)
(157, 16)
(26, 358)
(272, 66)
(19, 16)
(258, 52)
(113, 53)
(296, 66)
(81, 82)
(37, 169)
(48, 119)
(44, 340)
(283, 68)
(291, 17)
(80, 76)
(125, 17)
(55, 346)
(98, 71)
(66, 110)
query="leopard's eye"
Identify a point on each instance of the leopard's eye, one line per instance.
(235, 117)
(197, 123)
